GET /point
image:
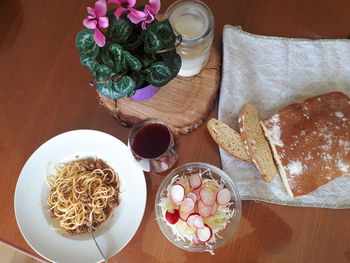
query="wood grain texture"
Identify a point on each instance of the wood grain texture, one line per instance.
(184, 103)
(44, 92)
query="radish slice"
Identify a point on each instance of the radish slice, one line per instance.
(223, 196)
(204, 234)
(207, 196)
(191, 218)
(195, 181)
(184, 216)
(198, 222)
(192, 196)
(214, 207)
(187, 205)
(177, 193)
(203, 209)
(196, 192)
(195, 239)
(172, 218)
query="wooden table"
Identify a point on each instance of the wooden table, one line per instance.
(45, 91)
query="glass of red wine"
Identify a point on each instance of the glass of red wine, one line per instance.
(152, 145)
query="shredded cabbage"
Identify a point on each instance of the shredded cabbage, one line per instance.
(216, 222)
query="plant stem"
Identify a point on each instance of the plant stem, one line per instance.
(178, 38)
(118, 77)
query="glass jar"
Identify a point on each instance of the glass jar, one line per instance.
(193, 20)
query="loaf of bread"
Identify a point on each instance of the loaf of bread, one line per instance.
(310, 140)
(255, 142)
(228, 139)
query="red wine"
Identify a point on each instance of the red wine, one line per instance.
(151, 141)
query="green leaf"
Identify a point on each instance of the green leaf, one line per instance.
(165, 33)
(140, 78)
(135, 40)
(118, 88)
(90, 63)
(119, 30)
(148, 59)
(159, 74)
(111, 87)
(120, 60)
(124, 32)
(152, 42)
(123, 87)
(102, 74)
(108, 57)
(133, 62)
(86, 45)
(173, 60)
(159, 36)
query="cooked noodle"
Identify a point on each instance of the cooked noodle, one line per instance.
(82, 195)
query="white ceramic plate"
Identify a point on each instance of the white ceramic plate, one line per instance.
(32, 192)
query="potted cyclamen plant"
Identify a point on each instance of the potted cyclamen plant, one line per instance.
(127, 48)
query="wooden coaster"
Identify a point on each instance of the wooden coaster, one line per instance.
(184, 103)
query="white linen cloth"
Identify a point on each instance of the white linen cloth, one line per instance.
(270, 73)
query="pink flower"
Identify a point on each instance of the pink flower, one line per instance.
(137, 16)
(148, 14)
(96, 20)
(124, 5)
(153, 7)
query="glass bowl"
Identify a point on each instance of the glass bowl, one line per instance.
(207, 171)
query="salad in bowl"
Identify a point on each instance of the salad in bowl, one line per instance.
(198, 208)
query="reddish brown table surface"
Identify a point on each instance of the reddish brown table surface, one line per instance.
(44, 91)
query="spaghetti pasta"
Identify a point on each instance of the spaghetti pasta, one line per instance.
(83, 194)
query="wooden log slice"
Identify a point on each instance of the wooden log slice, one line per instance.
(184, 103)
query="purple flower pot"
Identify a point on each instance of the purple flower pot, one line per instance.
(145, 93)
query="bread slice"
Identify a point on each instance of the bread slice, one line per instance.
(311, 141)
(256, 143)
(228, 139)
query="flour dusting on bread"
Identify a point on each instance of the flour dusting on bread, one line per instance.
(313, 146)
